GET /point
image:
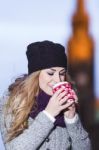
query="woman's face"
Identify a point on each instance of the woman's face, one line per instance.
(49, 77)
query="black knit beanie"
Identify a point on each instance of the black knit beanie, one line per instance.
(45, 54)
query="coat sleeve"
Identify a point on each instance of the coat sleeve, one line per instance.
(32, 137)
(78, 136)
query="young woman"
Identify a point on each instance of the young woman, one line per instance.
(33, 117)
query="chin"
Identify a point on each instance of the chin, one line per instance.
(49, 92)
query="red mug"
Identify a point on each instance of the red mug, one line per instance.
(66, 85)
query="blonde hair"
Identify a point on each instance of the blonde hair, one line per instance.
(20, 102)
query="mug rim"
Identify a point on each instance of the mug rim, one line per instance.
(60, 83)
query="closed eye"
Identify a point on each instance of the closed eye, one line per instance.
(50, 73)
(63, 74)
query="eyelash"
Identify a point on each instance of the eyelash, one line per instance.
(53, 73)
(63, 74)
(50, 74)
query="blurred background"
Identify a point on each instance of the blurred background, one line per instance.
(74, 24)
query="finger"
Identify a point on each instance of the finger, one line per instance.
(58, 92)
(70, 100)
(64, 100)
(62, 95)
(72, 107)
(62, 107)
(75, 96)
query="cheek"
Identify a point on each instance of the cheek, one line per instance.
(63, 78)
(43, 80)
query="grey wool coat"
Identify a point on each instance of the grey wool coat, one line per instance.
(42, 135)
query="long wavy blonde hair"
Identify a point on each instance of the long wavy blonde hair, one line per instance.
(20, 102)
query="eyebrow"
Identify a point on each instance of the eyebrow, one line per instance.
(56, 70)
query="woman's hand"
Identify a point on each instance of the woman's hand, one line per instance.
(70, 112)
(58, 102)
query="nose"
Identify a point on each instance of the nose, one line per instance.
(56, 78)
